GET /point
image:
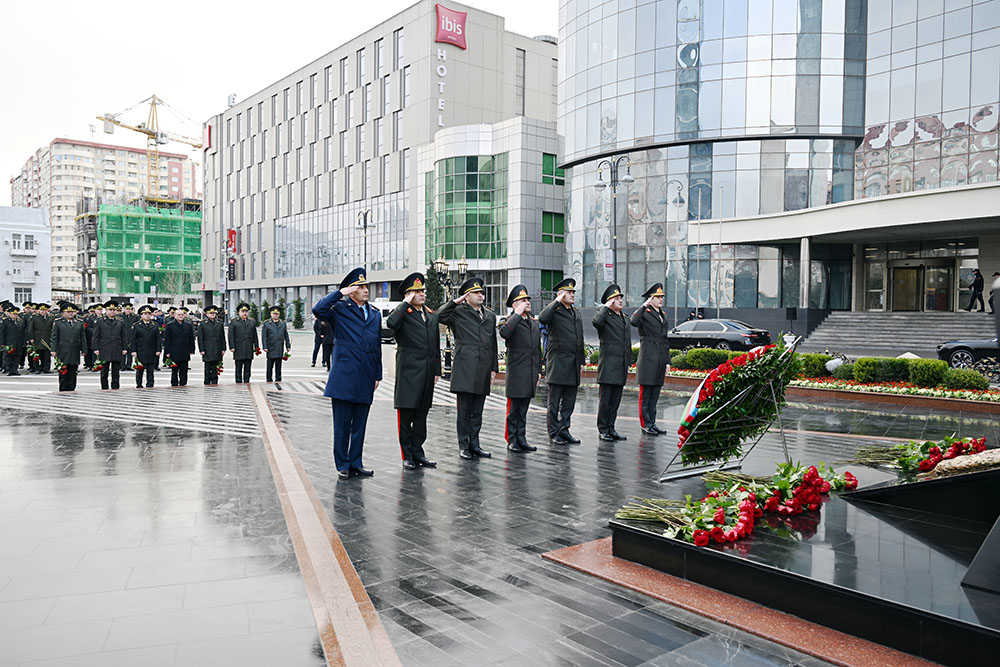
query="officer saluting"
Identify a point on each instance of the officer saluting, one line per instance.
(211, 343)
(475, 366)
(615, 358)
(144, 341)
(418, 367)
(563, 360)
(355, 370)
(68, 343)
(654, 356)
(524, 365)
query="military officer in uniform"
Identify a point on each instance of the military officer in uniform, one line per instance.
(12, 339)
(243, 342)
(212, 343)
(418, 367)
(144, 344)
(178, 344)
(128, 318)
(524, 366)
(613, 362)
(28, 311)
(68, 343)
(94, 314)
(274, 340)
(475, 365)
(564, 358)
(355, 370)
(654, 356)
(40, 336)
(110, 344)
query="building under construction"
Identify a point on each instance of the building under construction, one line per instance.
(145, 251)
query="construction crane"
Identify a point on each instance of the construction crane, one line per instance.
(154, 138)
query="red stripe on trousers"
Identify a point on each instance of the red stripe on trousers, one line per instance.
(506, 436)
(399, 433)
(642, 424)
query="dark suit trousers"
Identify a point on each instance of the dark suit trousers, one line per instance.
(562, 401)
(44, 361)
(317, 344)
(649, 395)
(67, 380)
(88, 356)
(274, 369)
(412, 427)
(10, 362)
(114, 367)
(517, 419)
(148, 371)
(242, 369)
(327, 353)
(211, 372)
(976, 296)
(349, 422)
(179, 374)
(607, 407)
(470, 420)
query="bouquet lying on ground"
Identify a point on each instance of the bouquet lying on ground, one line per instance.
(919, 456)
(734, 501)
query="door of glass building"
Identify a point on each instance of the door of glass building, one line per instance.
(906, 288)
(938, 288)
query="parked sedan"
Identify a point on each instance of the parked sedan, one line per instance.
(720, 334)
(965, 353)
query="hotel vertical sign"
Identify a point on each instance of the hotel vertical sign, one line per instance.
(450, 30)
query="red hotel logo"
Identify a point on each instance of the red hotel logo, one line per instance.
(450, 26)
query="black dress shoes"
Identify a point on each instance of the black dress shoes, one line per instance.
(650, 430)
(465, 454)
(618, 436)
(658, 429)
(409, 465)
(425, 462)
(570, 439)
(344, 474)
(606, 437)
(482, 453)
(518, 447)
(362, 472)
(559, 440)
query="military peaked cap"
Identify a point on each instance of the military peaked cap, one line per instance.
(519, 292)
(146, 308)
(474, 284)
(355, 277)
(655, 290)
(413, 282)
(243, 306)
(568, 284)
(612, 291)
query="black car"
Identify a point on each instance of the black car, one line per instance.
(965, 353)
(720, 334)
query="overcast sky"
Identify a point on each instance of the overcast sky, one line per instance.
(62, 63)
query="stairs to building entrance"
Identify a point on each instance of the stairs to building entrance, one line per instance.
(896, 333)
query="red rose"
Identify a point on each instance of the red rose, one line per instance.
(720, 515)
(701, 538)
(732, 535)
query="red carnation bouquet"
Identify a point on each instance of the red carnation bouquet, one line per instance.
(138, 365)
(218, 367)
(919, 456)
(169, 363)
(286, 356)
(98, 365)
(256, 352)
(59, 366)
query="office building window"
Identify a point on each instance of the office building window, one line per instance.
(274, 109)
(405, 92)
(350, 109)
(359, 142)
(347, 183)
(300, 101)
(343, 75)
(29, 241)
(368, 180)
(386, 96)
(15, 241)
(397, 130)
(288, 104)
(379, 137)
(368, 103)
(319, 122)
(361, 67)
(288, 168)
(519, 82)
(274, 172)
(345, 159)
(553, 228)
(299, 171)
(333, 116)
(328, 153)
(397, 42)
(405, 168)
(314, 165)
(328, 78)
(312, 91)
(386, 173)
(379, 59)
(551, 174)
(22, 294)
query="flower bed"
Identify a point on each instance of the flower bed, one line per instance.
(901, 388)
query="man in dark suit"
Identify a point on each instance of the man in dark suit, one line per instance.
(13, 338)
(418, 367)
(654, 356)
(68, 343)
(110, 344)
(40, 337)
(524, 366)
(243, 342)
(211, 336)
(355, 371)
(274, 340)
(129, 319)
(178, 345)
(144, 342)
(613, 362)
(977, 291)
(317, 339)
(94, 313)
(475, 365)
(564, 358)
(326, 334)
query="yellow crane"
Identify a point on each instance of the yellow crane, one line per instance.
(154, 138)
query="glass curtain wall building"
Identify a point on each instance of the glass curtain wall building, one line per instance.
(758, 132)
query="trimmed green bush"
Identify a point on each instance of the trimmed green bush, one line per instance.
(595, 356)
(635, 354)
(965, 378)
(868, 369)
(706, 358)
(814, 365)
(927, 372)
(881, 369)
(896, 370)
(680, 362)
(844, 372)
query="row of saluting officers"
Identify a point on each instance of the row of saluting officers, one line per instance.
(356, 365)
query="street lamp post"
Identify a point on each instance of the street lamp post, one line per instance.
(443, 271)
(364, 222)
(677, 202)
(628, 179)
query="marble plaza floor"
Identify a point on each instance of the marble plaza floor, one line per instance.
(149, 528)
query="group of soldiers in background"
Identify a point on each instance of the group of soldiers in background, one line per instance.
(356, 365)
(111, 337)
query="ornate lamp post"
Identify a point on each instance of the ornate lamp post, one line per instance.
(628, 179)
(677, 202)
(443, 271)
(365, 222)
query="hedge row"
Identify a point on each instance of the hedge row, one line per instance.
(921, 372)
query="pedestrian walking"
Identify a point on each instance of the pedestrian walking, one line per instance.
(144, 344)
(355, 371)
(564, 359)
(274, 339)
(613, 360)
(523, 340)
(654, 356)
(475, 365)
(211, 337)
(110, 342)
(13, 338)
(977, 291)
(68, 343)
(178, 346)
(243, 342)
(418, 368)
(40, 337)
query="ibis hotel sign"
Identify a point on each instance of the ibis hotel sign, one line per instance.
(450, 30)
